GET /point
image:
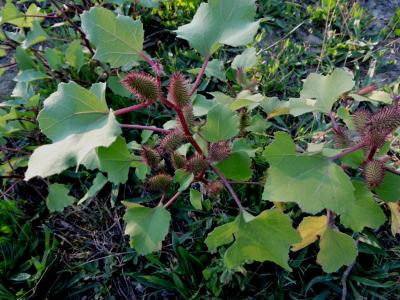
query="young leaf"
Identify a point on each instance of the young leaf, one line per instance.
(183, 178)
(58, 198)
(35, 36)
(320, 92)
(229, 22)
(336, 249)
(118, 39)
(98, 183)
(147, 227)
(315, 182)
(245, 60)
(222, 124)
(364, 211)
(266, 237)
(78, 121)
(236, 167)
(115, 160)
(196, 199)
(310, 229)
(74, 55)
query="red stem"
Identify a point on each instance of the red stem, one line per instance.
(200, 75)
(347, 151)
(228, 186)
(131, 108)
(392, 170)
(142, 127)
(372, 153)
(170, 201)
(333, 121)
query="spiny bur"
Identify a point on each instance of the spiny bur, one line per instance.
(159, 183)
(219, 151)
(215, 188)
(150, 156)
(360, 119)
(142, 85)
(196, 164)
(187, 112)
(177, 160)
(374, 171)
(178, 90)
(172, 141)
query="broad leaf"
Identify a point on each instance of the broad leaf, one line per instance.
(389, 189)
(394, 217)
(35, 36)
(222, 124)
(310, 229)
(266, 237)
(183, 178)
(245, 60)
(115, 160)
(312, 181)
(78, 121)
(236, 167)
(196, 199)
(364, 211)
(336, 249)
(229, 22)
(118, 39)
(320, 92)
(58, 198)
(147, 227)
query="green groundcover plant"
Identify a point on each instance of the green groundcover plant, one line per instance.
(343, 180)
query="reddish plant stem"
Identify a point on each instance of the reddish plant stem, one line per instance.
(170, 201)
(333, 121)
(348, 151)
(200, 75)
(162, 199)
(142, 127)
(39, 16)
(131, 108)
(9, 65)
(372, 153)
(392, 170)
(366, 90)
(76, 27)
(228, 186)
(187, 131)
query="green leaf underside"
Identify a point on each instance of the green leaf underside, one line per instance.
(98, 183)
(115, 160)
(222, 124)
(147, 227)
(364, 212)
(58, 198)
(389, 189)
(245, 60)
(229, 22)
(336, 250)
(236, 167)
(320, 92)
(118, 39)
(78, 121)
(266, 237)
(312, 181)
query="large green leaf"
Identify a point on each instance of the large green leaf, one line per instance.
(10, 14)
(364, 211)
(336, 249)
(312, 181)
(229, 22)
(58, 198)
(115, 160)
(222, 124)
(77, 121)
(266, 237)
(118, 39)
(320, 92)
(236, 167)
(147, 227)
(389, 189)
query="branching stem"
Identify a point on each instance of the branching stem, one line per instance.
(131, 108)
(170, 201)
(143, 127)
(348, 151)
(200, 75)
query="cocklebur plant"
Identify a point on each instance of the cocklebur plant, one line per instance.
(340, 183)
